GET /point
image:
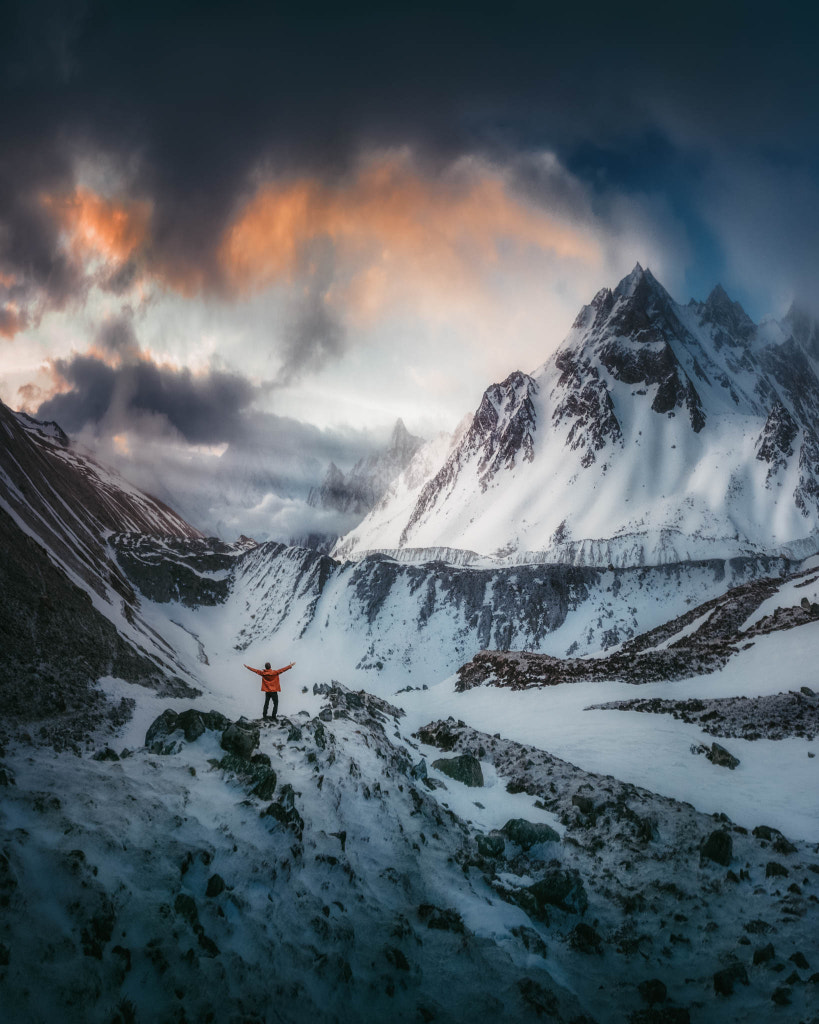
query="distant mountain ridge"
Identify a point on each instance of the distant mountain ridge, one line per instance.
(358, 491)
(655, 433)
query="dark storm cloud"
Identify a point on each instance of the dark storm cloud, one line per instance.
(117, 336)
(190, 99)
(152, 401)
(140, 395)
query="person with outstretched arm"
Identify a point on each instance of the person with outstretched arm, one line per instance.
(270, 684)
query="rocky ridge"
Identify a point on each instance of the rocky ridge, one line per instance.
(772, 717)
(699, 642)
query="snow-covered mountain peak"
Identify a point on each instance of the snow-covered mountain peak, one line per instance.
(46, 428)
(804, 328)
(728, 317)
(401, 440)
(655, 432)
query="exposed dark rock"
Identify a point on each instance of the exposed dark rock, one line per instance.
(661, 1015)
(97, 933)
(584, 804)
(465, 768)
(191, 723)
(764, 954)
(527, 833)
(216, 886)
(266, 786)
(773, 869)
(718, 847)
(775, 443)
(491, 845)
(652, 990)
(531, 940)
(191, 571)
(560, 888)
(106, 754)
(446, 920)
(500, 433)
(720, 756)
(728, 977)
(284, 810)
(397, 958)
(584, 939)
(160, 729)
(240, 738)
(539, 998)
(781, 996)
(757, 927)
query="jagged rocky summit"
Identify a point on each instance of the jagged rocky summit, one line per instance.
(357, 491)
(656, 433)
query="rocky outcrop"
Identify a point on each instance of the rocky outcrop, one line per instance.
(772, 717)
(775, 443)
(652, 657)
(194, 572)
(56, 644)
(499, 438)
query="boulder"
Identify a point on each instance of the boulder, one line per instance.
(215, 720)
(528, 833)
(444, 920)
(584, 804)
(584, 939)
(240, 738)
(725, 979)
(191, 723)
(720, 756)
(160, 729)
(718, 847)
(465, 768)
(560, 888)
(764, 954)
(491, 845)
(216, 885)
(266, 786)
(652, 991)
(106, 754)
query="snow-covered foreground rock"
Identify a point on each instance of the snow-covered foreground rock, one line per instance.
(316, 880)
(328, 867)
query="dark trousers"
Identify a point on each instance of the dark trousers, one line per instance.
(267, 698)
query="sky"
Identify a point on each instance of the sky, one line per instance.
(273, 232)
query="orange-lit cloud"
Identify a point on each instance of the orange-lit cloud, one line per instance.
(110, 229)
(396, 234)
(12, 320)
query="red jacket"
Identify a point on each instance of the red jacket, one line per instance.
(270, 677)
